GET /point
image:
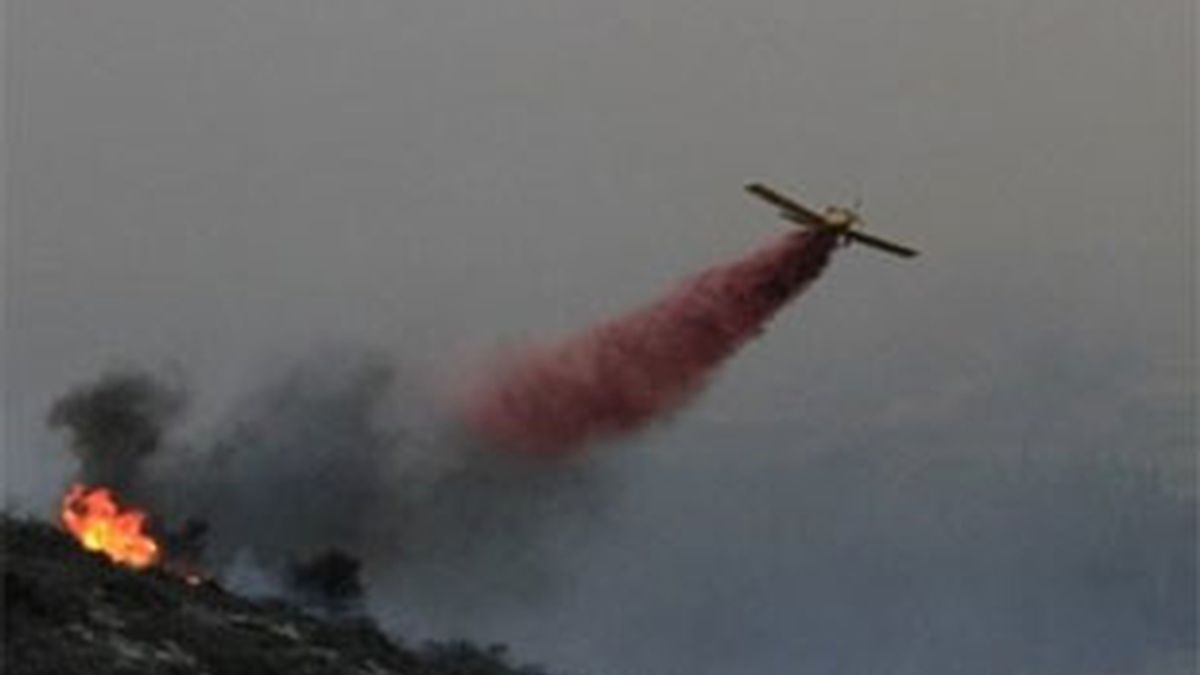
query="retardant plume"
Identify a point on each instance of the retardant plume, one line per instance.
(621, 375)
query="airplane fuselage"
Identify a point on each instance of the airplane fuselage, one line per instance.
(839, 217)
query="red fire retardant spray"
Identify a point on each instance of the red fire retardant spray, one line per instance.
(623, 374)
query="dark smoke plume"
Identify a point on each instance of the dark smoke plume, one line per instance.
(344, 451)
(621, 375)
(115, 424)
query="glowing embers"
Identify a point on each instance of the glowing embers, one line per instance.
(93, 516)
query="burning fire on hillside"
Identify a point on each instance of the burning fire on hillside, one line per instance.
(99, 523)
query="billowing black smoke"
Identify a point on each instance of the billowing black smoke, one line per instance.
(117, 422)
(347, 453)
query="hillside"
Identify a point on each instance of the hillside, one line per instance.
(67, 611)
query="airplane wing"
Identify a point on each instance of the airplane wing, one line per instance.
(789, 207)
(797, 212)
(882, 244)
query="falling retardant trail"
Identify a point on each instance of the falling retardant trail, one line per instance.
(620, 375)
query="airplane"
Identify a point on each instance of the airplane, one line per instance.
(837, 218)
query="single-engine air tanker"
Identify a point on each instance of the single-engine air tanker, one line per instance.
(837, 218)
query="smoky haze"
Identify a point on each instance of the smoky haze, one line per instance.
(337, 453)
(980, 460)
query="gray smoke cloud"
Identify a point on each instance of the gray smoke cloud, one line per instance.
(344, 451)
(830, 551)
(898, 556)
(116, 423)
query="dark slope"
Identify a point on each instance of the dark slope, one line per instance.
(67, 611)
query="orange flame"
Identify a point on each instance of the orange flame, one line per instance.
(99, 523)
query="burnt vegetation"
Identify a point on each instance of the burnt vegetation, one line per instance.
(67, 611)
(328, 581)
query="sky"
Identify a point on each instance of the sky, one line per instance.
(984, 456)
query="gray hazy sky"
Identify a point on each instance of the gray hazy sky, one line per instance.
(221, 185)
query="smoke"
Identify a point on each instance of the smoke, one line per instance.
(117, 422)
(345, 451)
(839, 555)
(623, 374)
(348, 452)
